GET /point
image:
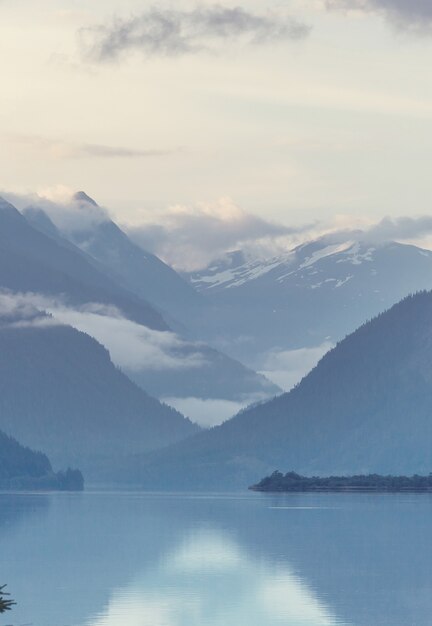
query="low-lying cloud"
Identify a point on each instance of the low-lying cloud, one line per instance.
(188, 238)
(67, 212)
(171, 32)
(132, 347)
(207, 412)
(409, 15)
(286, 368)
(70, 213)
(19, 311)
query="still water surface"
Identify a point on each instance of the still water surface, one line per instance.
(134, 559)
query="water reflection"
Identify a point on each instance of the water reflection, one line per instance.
(209, 581)
(252, 560)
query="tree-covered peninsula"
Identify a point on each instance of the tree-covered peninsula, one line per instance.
(292, 482)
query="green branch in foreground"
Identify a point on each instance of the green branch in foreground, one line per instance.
(5, 603)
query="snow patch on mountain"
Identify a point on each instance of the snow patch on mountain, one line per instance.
(303, 266)
(232, 276)
(324, 252)
(356, 255)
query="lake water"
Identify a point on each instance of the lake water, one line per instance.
(134, 559)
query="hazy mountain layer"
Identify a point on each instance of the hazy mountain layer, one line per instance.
(365, 408)
(23, 468)
(30, 261)
(115, 255)
(60, 392)
(318, 292)
(138, 270)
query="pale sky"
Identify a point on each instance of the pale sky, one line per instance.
(295, 110)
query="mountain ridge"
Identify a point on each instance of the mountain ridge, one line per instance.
(348, 415)
(314, 294)
(30, 261)
(60, 392)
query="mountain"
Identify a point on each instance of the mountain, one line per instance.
(104, 244)
(60, 392)
(365, 408)
(31, 261)
(217, 376)
(138, 270)
(316, 293)
(22, 468)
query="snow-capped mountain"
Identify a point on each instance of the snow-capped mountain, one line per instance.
(317, 292)
(307, 265)
(171, 365)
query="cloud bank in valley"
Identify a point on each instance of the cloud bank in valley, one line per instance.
(409, 15)
(171, 32)
(207, 412)
(286, 368)
(132, 347)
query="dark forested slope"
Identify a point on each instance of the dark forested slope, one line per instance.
(366, 407)
(60, 392)
(23, 468)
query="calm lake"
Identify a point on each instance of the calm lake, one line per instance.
(135, 559)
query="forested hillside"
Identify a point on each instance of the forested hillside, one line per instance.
(366, 407)
(60, 392)
(23, 468)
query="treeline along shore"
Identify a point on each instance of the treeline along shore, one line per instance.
(292, 482)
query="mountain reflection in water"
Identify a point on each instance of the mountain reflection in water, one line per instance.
(132, 559)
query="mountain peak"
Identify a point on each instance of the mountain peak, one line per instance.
(8, 209)
(5, 205)
(81, 196)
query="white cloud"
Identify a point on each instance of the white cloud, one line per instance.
(68, 213)
(131, 346)
(286, 368)
(207, 413)
(189, 237)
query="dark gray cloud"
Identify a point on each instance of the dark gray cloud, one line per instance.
(410, 15)
(169, 32)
